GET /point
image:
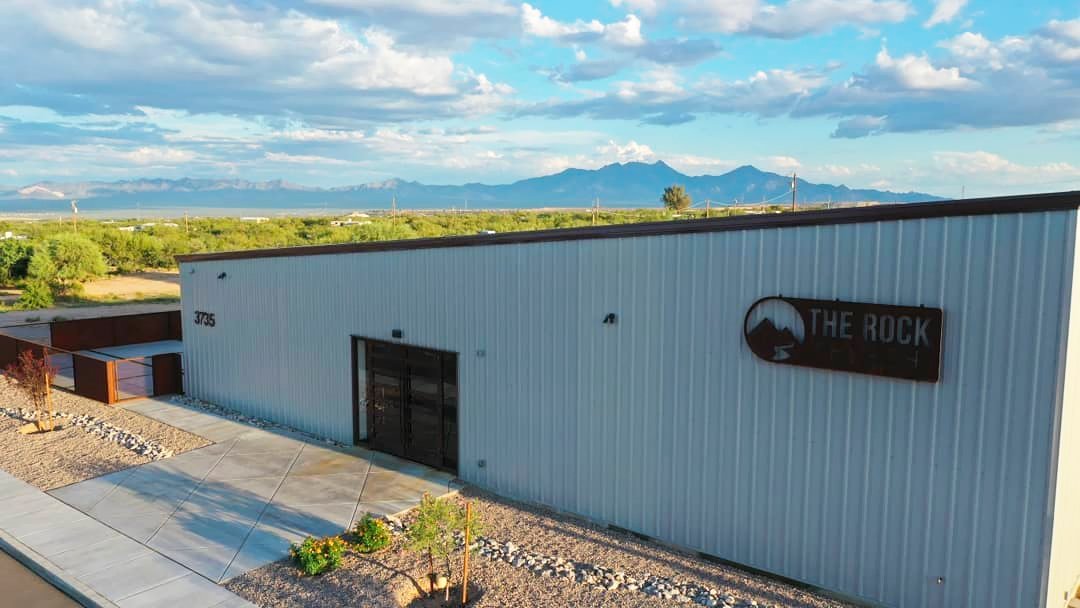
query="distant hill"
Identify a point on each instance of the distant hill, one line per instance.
(625, 184)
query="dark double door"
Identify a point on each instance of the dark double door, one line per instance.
(412, 398)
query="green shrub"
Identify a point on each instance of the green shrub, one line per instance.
(318, 555)
(36, 294)
(371, 534)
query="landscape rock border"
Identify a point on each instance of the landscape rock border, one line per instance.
(105, 430)
(600, 577)
(235, 416)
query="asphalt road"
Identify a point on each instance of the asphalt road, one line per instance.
(21, 588)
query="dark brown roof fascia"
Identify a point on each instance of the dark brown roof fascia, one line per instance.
(849, 215)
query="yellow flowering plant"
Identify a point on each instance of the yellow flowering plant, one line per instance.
(318, 555)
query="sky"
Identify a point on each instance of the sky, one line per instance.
(980, 97)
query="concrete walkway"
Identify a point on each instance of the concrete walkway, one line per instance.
(96, 560)
(238, 504)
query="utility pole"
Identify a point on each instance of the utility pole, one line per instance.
(595, 210)
(962, 188)
(393, 206)
(186, 231)
(74, 214)
(708, 208)
(794, 189)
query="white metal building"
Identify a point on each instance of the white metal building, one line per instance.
(607, 372)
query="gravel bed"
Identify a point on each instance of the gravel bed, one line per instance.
(72, 454)
(593, 556)
(95, 426)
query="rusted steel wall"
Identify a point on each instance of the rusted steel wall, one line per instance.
(176, 325)
(8, 350)
(167, 374)
(95, 378)
(81, 334)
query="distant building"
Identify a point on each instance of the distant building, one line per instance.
(257, 219)
(127, 228)
(9, 235)
(348, 223)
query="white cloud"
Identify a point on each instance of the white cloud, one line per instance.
(781, 164)
(303, 159)
(792, 19)
(632, 151)
(625, 33)
(320, 135)
(945, 11)
(159, 156)
(433, 8)
(917, 73)
(233, 59)
(535, 23)
(644, 7)
(691, 164)
(995, 168)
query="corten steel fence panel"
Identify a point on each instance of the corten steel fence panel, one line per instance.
(8, 351)
(94, 378)
(175, 325)
(82, 334)
(167, 374)
(140, 328)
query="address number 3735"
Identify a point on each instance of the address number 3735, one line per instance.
(204, 318)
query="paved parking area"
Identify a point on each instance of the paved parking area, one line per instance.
(25, 589)
(236, 505)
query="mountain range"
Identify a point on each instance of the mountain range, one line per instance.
(631, 184)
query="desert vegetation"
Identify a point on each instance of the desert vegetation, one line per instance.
(53, 261)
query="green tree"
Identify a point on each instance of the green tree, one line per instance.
(36, 294)
(433, 532)
(14, 259)
(676, 198)
(41, 267)
(119, 250)
(76, 258)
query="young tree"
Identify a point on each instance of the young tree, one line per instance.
(676, 198)
(433, 532)
(33, 376)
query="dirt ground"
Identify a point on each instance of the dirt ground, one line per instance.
(45, 315)
(392, 578)
(71, 454)
(138, 284)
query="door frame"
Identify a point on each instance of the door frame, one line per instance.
(359, 350)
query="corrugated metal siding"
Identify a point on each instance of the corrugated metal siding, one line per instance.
(666, 424)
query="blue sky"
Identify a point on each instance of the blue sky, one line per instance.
(928, 95)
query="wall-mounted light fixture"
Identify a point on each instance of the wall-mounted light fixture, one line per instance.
(222, 276)
(611, 319)
(396, 333)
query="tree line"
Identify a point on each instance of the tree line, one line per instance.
(55, 259)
